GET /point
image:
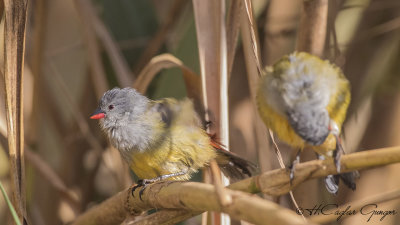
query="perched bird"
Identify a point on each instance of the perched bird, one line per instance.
(304, 100)
(162, 139)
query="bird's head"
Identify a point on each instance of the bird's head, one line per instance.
(119, 106)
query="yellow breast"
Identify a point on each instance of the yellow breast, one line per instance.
(186, 150)
(338, 102)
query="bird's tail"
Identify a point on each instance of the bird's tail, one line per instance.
(332, 181)
(231, 164)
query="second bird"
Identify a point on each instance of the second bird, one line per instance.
(304, 100)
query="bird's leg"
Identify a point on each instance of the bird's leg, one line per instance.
(337, 153)
(331, 181)
(293, 165)
(145, 182)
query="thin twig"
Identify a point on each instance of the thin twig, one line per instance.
(248, 8)
(224, 198)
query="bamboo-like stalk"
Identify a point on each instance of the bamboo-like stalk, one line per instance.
(209, 56)
(40, 16)
(211, 39)
(232, 32)
(191, 195)
(15, 20)
(312, 29)
(276, 182)
(252, 57)
(183, 195)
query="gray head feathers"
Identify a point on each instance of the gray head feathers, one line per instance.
(124, 122)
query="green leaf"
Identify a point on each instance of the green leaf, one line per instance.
(10, 206)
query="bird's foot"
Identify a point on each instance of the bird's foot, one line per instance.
(337, 153)
(145, 182)
(143, 185)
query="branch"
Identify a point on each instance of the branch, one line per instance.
(191, 196)
(276, 182)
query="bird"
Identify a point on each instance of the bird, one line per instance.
(303, 100)
(162, 139)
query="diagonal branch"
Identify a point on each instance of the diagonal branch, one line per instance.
(190, 196)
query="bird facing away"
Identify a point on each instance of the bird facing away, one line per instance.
(162, 139)
(304, 100)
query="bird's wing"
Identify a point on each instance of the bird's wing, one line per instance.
(178, 112)
(164, 109)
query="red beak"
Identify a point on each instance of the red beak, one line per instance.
(98, 114)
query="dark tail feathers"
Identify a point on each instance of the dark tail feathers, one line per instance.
(332, 181)
(232, 165)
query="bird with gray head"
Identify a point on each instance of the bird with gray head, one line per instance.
(162, 139)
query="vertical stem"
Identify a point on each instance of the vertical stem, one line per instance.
(252, 56)
(208, 41)
(312, 30)
(15, 19)
(224, 102)
(40, 16)
(211, 38)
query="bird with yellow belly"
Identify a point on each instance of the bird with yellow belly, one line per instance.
(304, 100)
(162, 139)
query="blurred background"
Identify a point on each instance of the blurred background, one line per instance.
(77, 49)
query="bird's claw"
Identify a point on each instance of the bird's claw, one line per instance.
(143, 184)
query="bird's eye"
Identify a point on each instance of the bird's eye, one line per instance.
(110, 107)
